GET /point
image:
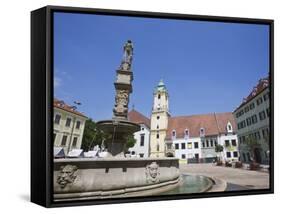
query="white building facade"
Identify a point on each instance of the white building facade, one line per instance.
(194, 138)
(68, 126)
(142, 137)
(230, 145)
(253, 118)
(188, 148)
(141, 148)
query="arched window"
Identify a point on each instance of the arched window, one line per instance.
(158, 106)
(229, 127)
(202, 132)
(174, 134)
(186, 133)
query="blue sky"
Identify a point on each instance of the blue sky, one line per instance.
(206, 66)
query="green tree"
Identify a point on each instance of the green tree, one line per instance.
(92, 136)
(131, 141)
(251, 143)
(219, 149)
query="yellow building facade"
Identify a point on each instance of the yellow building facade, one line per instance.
(68, 126)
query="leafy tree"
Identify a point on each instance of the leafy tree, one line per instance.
(92, 136)
(131, 141)
(219, 149)
(251, 143)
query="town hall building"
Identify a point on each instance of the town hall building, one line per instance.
(192, 138)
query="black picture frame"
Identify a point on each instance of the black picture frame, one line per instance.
(42, 107)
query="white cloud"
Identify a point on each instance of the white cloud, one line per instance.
(57, 82)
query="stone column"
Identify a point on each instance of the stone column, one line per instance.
(123, 84)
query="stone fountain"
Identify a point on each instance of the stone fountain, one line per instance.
(119, 128)
(115, 175)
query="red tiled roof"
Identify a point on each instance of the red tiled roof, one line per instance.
(137, 117)
(261, 85)
(61, 105)
(213, 124)
(223, 119)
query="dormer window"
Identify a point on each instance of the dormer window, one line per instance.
(174, 134)
(186, 133)
(202, 132)
(229, 127)
(73, 108)
(61, 104)
(254, 91)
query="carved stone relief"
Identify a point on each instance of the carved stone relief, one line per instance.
(121, 102)
(67, 175)
(152, 173)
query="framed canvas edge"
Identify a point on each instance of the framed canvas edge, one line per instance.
(48, 94)
(38, 132)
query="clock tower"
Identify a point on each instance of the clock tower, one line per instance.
(159, 120)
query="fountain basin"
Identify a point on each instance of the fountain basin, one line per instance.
(120, 126)
(86, 178)
(118, 130)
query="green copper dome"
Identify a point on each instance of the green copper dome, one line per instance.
(160, 87)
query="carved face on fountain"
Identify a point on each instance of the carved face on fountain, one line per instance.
(152, 172)
(67, 175)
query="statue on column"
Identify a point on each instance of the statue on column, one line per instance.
(128, 56)
(123, 86)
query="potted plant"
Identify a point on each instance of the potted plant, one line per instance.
(238, 164)
(228, 164)
(254, 165)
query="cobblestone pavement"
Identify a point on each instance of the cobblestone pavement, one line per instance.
(234, 177)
